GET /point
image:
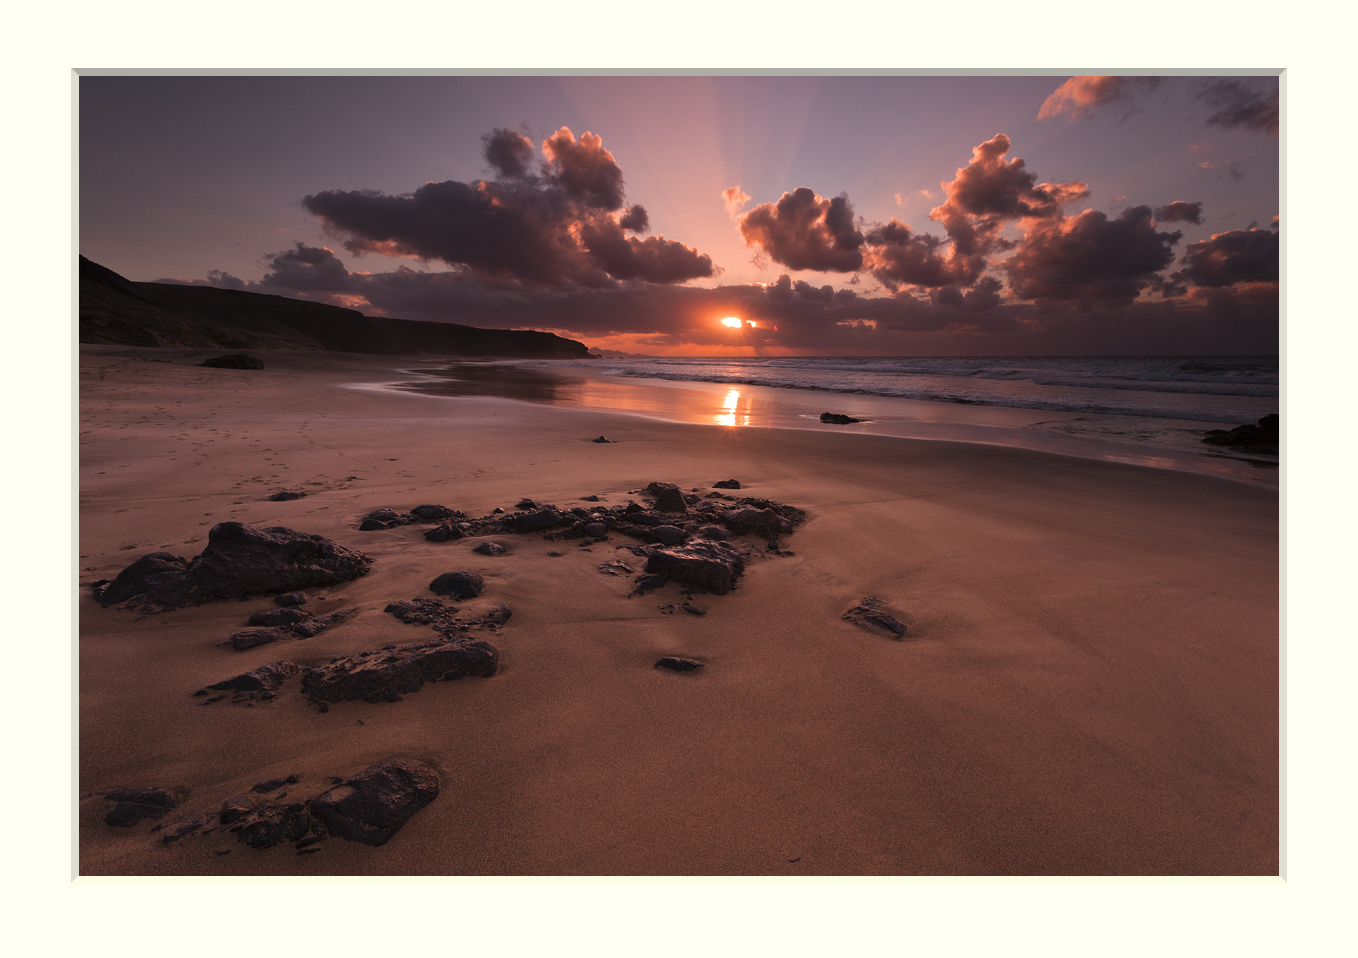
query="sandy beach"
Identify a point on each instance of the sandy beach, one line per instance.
(1088, 685)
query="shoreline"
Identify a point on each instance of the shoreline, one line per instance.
(1078, 434)
(1090, 684)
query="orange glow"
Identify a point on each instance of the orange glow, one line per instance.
(732, 321)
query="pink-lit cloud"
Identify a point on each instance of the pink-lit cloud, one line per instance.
(1081, 97)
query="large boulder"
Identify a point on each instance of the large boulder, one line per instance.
(242, 560)
(700, 563)
(386, 675)
(372, 806)
(547, 518)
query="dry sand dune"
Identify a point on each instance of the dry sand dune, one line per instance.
(1089, 683)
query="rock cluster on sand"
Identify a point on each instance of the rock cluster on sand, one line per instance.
(385, 518)
(234, 361)
(1260, 438)
(239, 561)
(369, 807)
(870, 614)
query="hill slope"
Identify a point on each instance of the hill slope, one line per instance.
(117, 311)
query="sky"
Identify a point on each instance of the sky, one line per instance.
(885, 215)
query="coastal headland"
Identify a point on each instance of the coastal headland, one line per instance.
(1086, 684)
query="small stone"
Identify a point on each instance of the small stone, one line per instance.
(291, 598)
(726, 484)
(286, 496)
(589, 498)
(601, 439)
(869, 614)
(693, 609)
(676, 664)
(490, 549)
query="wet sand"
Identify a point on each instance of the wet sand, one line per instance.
(1089, 686)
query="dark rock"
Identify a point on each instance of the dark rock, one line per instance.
(239, 561)
(748, 519)
(615, 567)
(234, 361)
(676, 664)
(236, 806)
(633, 508)
(601, 439)
(272, 617)
(462, 585)
(319, 623)
(525, 504)
(309, 841)
(383, 516)
(596, 530)
(286, 496)
(715, 533)
(159, 575)
(270, 824)
(265, 678)
(400, 669)
(433, 513)
(490, 549)
(692, 609)
(373, 525)
(647, 583)
(443, 533)
(1261, 438)
(671, 500)
(251, 638)
(726, 484)
(174, 831)
(372, 806)
(669, 535)
(132, 806)
(838, 419)
(272, 785)
(869, 614)
(589, 498)
(535, 521)
(656, 488)
(497, 615)
(291, 598)
(701, 563)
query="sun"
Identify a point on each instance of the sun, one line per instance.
(732, 321)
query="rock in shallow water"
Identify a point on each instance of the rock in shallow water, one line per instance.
(838, 419)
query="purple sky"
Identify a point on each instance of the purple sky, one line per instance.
(1140, 221)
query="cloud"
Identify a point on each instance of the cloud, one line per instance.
(898, 257)
(1081, 97)
(307, 269)
(1179, 211)
(735, 200)
(804, 230)
(1241, 106)
(583, 168)
(1090, 257)
(509, 152)
(1230, 168)
(526, 227)
(1237, 256)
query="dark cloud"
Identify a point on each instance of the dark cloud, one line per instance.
(991, 185)
(307, 269)
(806, 231)
(900, 257)
(1090, 257)
(1082, 96)
(1238, 105)
(1180, 211)
(636, 220)
(584, 169)
(1238, 256)
(510, 153)
(523, 227)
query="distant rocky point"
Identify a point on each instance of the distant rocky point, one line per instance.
(1260, 438)
(116, 311)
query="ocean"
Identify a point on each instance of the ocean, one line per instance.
(1148, 410)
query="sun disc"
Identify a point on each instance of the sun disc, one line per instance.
(732, 321)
